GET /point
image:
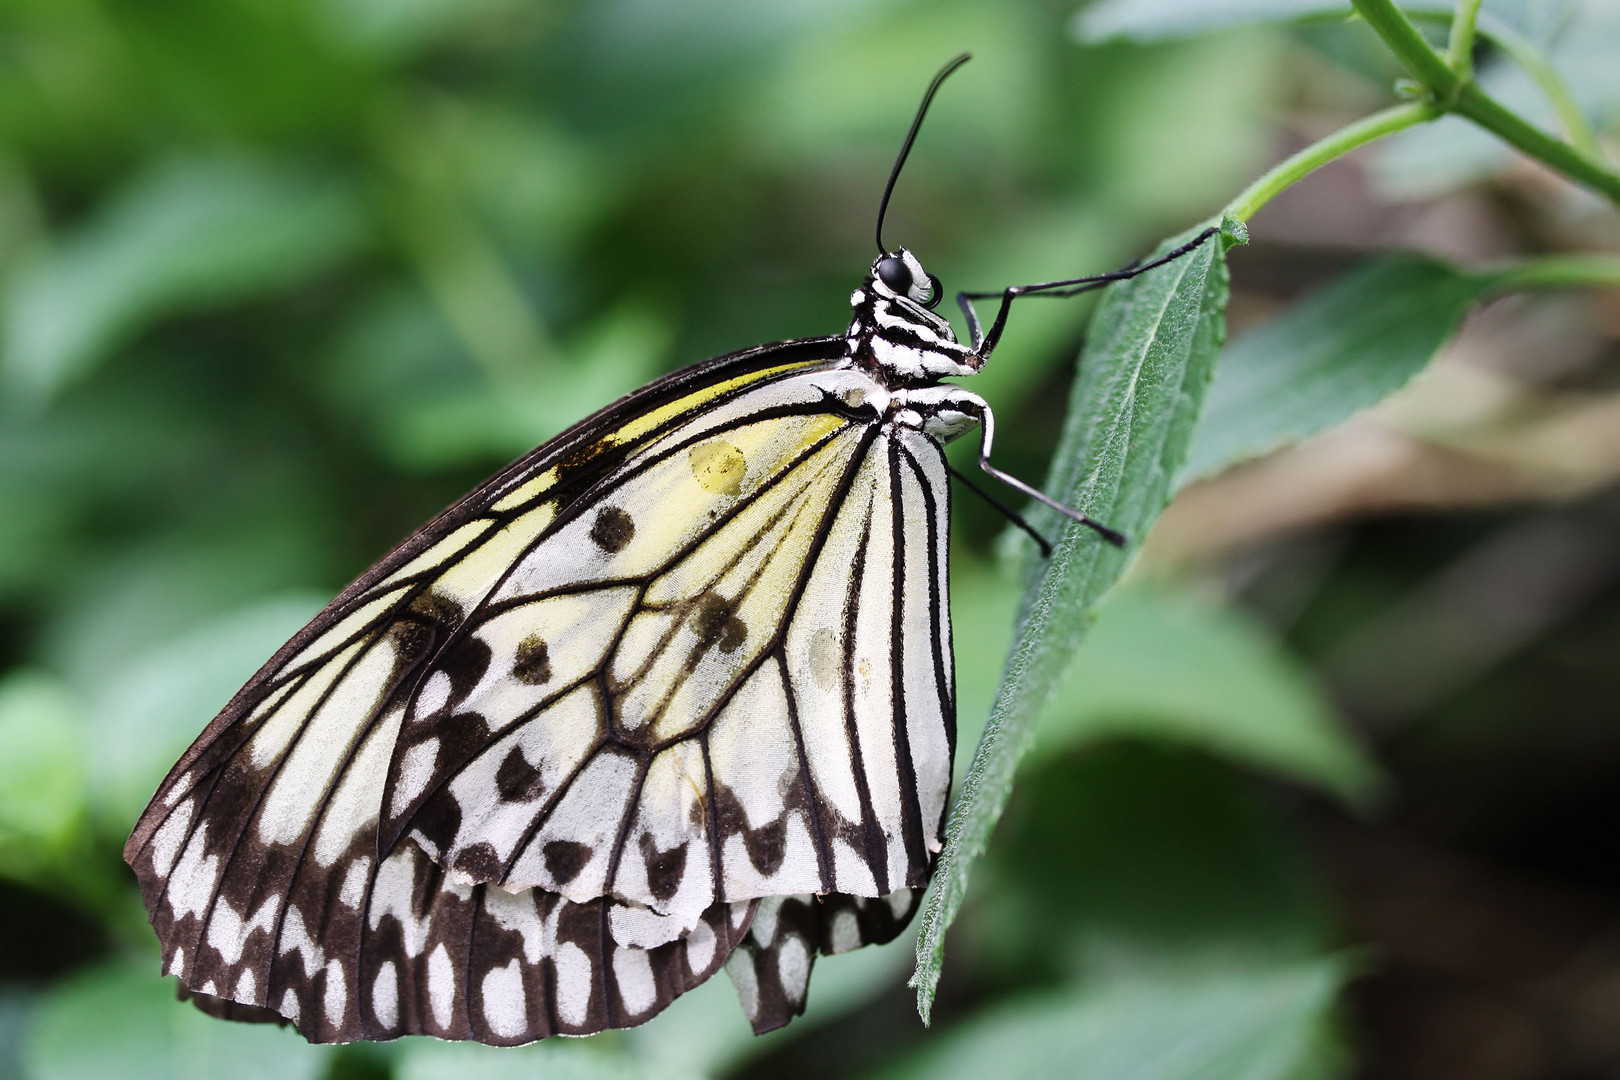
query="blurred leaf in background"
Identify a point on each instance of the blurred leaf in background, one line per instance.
(1253, 1025)
(42, 772)
(1331, 355)
(117, 1020)
(185, 236)
(1182, 670)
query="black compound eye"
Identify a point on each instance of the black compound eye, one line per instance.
(893, 272)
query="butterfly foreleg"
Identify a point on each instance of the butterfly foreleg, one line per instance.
(985, 343)
(1005, 511)
(947, 412)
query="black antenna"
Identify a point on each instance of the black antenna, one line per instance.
(911, 137)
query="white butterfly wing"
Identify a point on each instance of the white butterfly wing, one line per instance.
(770, 715)
(660, 669)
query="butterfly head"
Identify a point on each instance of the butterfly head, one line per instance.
(900, 274)
(894, 332)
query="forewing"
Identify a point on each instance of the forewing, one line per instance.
(264, 836)
(771, 966)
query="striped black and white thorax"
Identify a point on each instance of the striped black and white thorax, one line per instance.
(893, 332)
(896, 338)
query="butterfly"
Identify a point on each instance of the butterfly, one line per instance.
(674, 691)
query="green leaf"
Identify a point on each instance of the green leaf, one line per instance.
(1143, 375)
(397, 29)
(1133, 856)
(1155, 20)
(1159, 20)
(186, 236)
(42, 788)
(1264, 1023)
(490, 422)
(146, 713)
(1176, 669)
(1330, 355)
(1163, 892)
(16, 1009)
(704, 1033)
(173, 577)
(556, 1059)
(125, 1021)
(1234, 230)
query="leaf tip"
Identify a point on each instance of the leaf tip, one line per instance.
(925, 1005)
(1234, 231)
(924, 980)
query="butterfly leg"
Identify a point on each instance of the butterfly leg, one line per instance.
(1005, 511)
(947, 412)
(984, 344)
(987, 427)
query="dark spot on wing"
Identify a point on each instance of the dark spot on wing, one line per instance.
(665, 869)
(766, 845)
(438, 819)
(412, 640)
(565, 859)
(714, 620)
(516, 779)
(461, 737)
(479, 862)
(427, 621)
(231, 800)
(438, 608)
(581, 467)
(531, 665)
(465, 662)
(613, 529)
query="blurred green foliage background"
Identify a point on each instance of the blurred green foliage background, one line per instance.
(1332, 785)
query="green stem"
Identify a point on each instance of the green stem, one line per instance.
(1454, 93)
(1410, 49)
(1524, 53)
(1460, 50)
(1570, 117)
(1513, 129)
(1557, 272)
(1319, 153)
